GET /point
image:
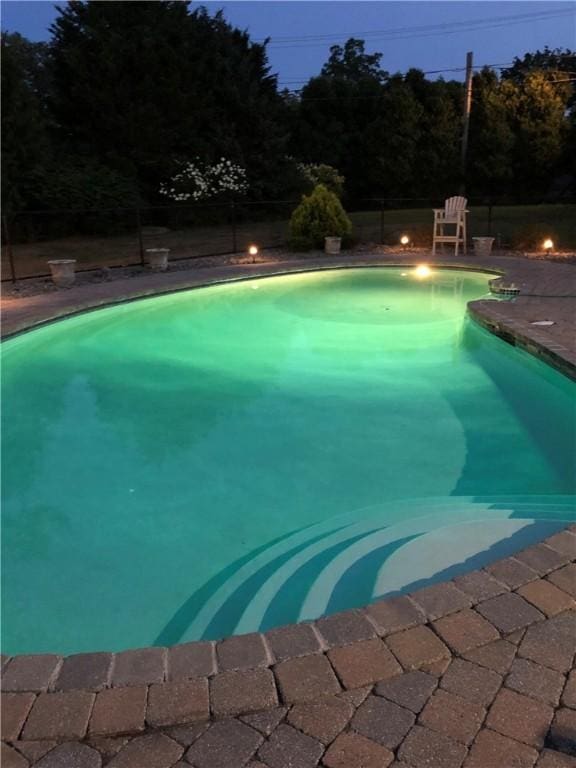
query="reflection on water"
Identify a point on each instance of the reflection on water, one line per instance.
(536, 399)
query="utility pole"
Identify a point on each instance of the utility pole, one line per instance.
(466, 119)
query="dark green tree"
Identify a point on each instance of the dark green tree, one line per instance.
(558, 63)
(491, 142)
(25, 143)
(537, 113)
(390, 136)
(439, 135)
(390, 164)
(337, 109)
(143, 86)
(352, 63)
(547, 120)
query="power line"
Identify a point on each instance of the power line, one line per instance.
(431, 72)
(395, 30)
(503, 64)
(383, 95)
(400, 33)
(424, 72)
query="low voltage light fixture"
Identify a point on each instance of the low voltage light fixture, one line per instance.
(404, 240)
(548, 245)
(253, 251)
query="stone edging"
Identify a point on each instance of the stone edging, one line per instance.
(168, 283)
(108, 694)
(514, 333)
(491, 315)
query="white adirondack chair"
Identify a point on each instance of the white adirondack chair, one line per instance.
(454, 215)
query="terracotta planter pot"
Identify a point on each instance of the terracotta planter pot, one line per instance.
(63, 272)
(157, 259)
(332, 245)
(482, 246)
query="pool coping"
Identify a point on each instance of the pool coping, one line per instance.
(22, 314)
(229, 274)
(251, 673)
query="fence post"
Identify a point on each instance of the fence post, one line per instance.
(233, 221)
(381, 222)
(140, 241)
(9, 248)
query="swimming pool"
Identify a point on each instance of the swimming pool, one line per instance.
(249, 454)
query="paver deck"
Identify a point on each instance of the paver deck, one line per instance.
(474, 673)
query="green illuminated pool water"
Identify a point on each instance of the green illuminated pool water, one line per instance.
(244, 455)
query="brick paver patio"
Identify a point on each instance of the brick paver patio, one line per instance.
(473, 673)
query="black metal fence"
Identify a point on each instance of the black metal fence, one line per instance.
(113, 238)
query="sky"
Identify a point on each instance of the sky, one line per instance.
(431, 36)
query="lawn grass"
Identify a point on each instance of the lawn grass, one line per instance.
(521, 227)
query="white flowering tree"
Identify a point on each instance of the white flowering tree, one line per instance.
(198, 180)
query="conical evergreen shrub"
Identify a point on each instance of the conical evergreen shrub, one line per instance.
(319, 215)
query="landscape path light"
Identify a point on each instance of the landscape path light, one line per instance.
(548, 245)
(404, 240)
(253, 251)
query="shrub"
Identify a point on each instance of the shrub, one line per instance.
(81, 197)
(319, 215)
(79, 186)
(321, 173)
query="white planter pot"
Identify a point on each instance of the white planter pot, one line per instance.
(482, 246)
(157, 259)
(332, 245)
(63, 272)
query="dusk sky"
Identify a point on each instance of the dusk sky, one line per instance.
(431, 35)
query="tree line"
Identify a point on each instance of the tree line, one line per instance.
(124, 94)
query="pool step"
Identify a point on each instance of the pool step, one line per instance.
(354, 559)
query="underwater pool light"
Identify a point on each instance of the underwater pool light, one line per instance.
(422, 270)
